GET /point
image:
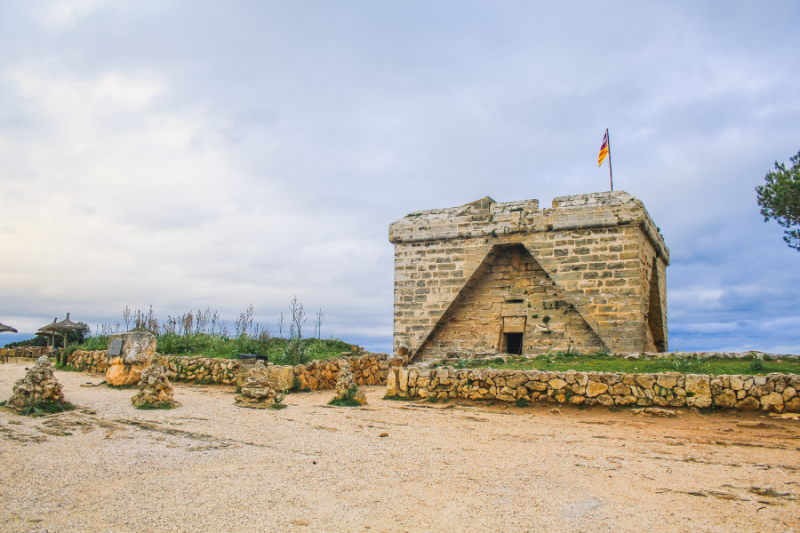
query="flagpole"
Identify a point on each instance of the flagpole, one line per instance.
(610, 175)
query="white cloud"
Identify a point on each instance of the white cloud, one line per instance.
(192, 155)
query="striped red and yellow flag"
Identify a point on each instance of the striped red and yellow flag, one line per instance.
(603, 150)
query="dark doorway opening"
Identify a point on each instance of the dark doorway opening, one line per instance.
(514, 343)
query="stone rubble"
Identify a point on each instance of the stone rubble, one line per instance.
(256, 391)
(775, 392)
(344, 385)
(39, 385)
(154, 387)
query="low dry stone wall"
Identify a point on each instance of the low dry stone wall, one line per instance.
(95, 361)
(774, 392)
(367, 368)
(201, 369)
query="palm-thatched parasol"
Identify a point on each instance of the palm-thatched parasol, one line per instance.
(50, 332)
(4, 328)
(66, 326)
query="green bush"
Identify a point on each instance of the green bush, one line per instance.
(295, 352)
(348, 400)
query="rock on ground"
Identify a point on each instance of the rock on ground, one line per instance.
(154, 387)
(39, 385)
(345, 385)
(257, 392)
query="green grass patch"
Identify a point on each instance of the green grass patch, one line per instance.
(349, 398)
(278, 406)
(278, 350)
(395, 398)
(46, 408)
(147, 406)
(68, 368)
(602, 362)
(344, 402)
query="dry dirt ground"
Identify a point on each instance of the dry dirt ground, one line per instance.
(211, 466)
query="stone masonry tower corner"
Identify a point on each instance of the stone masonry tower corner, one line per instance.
(588, 274)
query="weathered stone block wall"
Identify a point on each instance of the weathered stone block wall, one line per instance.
(202, 369)
(588, 273)
(775, 392)
(89, 361)
(367, 369)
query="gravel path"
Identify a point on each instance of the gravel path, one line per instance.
(211, 466)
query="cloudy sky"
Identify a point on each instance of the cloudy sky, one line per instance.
(196, 154)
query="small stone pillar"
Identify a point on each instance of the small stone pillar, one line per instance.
(155, 390)
(346, 388)
(39, 386)
(138, 347)
(256, 390)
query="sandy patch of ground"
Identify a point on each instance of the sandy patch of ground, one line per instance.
(211, 466)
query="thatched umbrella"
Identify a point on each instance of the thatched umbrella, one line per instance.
(4, 329)
(50, 332)
(68, 325)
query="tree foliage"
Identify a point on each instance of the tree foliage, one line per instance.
(779, 199)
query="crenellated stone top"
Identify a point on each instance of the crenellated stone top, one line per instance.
(486, 218)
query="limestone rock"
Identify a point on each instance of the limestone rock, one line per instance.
(256, 390)
(793, 405)
(594, 389)
(154, 387)
(772, 402)
(138, 348)
(698, 391)
(346, 388)
(39, 385)
(668, 381)
(654, 411)
(391, 383)
(748, 404)
(280, 377)
(726, 400)
(605, 399)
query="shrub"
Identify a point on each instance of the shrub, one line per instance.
(46, 407)
(162, 405)
(348, 400)
(295, 352)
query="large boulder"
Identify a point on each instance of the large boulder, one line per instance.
(37, 387)
(138, 348)
(155, 390)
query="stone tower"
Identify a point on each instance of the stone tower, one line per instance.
(587, 275)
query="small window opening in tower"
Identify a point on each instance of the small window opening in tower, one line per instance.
(515, 301)
(514, 343)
